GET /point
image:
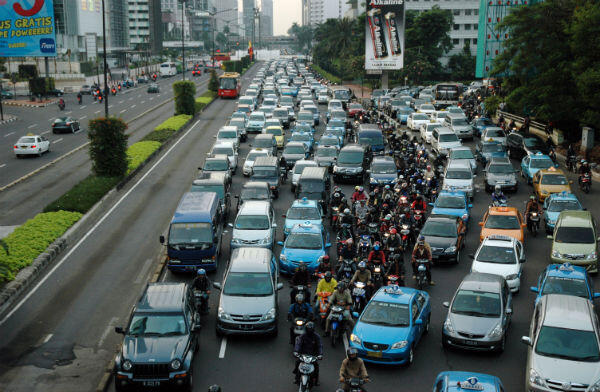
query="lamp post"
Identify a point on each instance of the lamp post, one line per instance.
(105, 66)
(183, 35)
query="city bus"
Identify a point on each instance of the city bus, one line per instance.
(229, 85)
(446, 94)
(168, 69)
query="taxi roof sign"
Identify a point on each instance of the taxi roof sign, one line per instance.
(393, 289)
(566, 267)
(471, 384)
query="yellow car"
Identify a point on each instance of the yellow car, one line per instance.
(548, 181)
(277, 132)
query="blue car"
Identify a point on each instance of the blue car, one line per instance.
(303, 127)
(329, 139)
(531, 164)
(485, 151)
(303, 211)
(555, 203)
(336, 126)
(403, 112)
(305, 243)
(481, 124)
(291, 91)
(565, 279)
(383, 171)
(453, 381)
(452, 203)
(256, 122)
(391, 325)
(305, 137)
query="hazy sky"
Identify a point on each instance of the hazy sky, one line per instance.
(285, 12)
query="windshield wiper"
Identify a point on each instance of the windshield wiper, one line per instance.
(469, 313)
(172, 333)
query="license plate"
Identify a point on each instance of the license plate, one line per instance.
(470, 342)
(23, 147)
(374, 354)
(151, 383)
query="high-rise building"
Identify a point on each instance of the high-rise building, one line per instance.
(227, 11)
(321, 10)
(305, 12)
(248, 18)
(266, 18)
(145, 30)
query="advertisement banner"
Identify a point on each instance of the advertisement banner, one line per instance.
(384, 35)
(27, 28)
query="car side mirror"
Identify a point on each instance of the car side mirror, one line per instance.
(120, 330)
(161, 239)
(446, 304)
(280, 243)
(596, 295)
(418, 322)
(199, 167)
(279, 286)
(534, 289)
(237, 196)
(328, 244)
(526, 340)
(230, 224)
(274, 225)
(509, 311)
(549, 237)
(217, 285)
(196, 327)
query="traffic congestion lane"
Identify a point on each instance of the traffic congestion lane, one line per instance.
(93, 286)
(128, 104)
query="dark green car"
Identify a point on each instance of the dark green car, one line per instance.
(153, 88)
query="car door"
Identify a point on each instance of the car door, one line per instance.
(536, 183)
(507, 301)
(416, 308)
(525, 165)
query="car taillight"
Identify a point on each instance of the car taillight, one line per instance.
(33, 146)
(16, 146)
(53, 125)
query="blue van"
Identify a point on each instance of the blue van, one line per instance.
(370, 135)
(194, 238)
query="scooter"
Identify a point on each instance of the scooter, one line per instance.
(346, 270)
(364, 246)
(585, 182)
(201, 301)
(336, 324)
(422, 273)
(534, 222)
(299, 327)
(306, 369)
(355, 384)
(323, 306)
(377, 278)
(358, 296)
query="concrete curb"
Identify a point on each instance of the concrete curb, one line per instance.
(29, 105)
(13, 118)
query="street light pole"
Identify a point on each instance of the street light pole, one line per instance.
(105, 93)
(183, 35)
(213, 40)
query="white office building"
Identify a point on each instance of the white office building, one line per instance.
(321, 10)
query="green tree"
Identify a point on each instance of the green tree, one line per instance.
(462, 65)
(303, 35)
(108, 146)
(184, 92)
(213, 83)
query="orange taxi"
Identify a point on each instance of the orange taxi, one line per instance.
(549, 181)
(506, 221)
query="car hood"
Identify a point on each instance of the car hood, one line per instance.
(495, 268)
(555, 188)
(154, 349)
(509, 178)
(458, 183)
(473, 325)
(246, 305)
(495, 154)
(384, 177)
(308, 255)
(565, 370)
(256, 123)
(289, 223)
(449, 144)
(449, 211)
(250, 235)
(573, 249)
(322, 160)
(440, 242)
(380, 334)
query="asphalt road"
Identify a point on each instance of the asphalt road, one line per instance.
(27, 198)
(61, 336)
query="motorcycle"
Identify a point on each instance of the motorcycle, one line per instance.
(346, 270)
(373, 229)
(306, 369)
(364, 246)
(333, 217)
(572, 163)
(299, 327)
(552, 154)
(201, 301)
(299, 289)
(418, 217)
(585, 182)
(499, 203)
(323, 306)
(422, 273)
(355, 384)
(534, 222)
(359, 293)
(377, 278)
(337, 324)
(61, 105)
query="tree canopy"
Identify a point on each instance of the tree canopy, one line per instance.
(303, 36)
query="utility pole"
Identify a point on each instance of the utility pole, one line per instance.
(105, 93)
(214, 24)
(183, 36)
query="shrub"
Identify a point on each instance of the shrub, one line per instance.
(184, 92)
(213, 83)
(84, 195)
(139, 152)
(31, 239)
(167, 128)
(491, 104)
(108, 146)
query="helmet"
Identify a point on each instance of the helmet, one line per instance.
(497, 188)
(582, 161)
(300, 297)
(341, 286)
(201, 272)
(532, 198)
(387, 187)
(361, 189)
(388, 217)
(376, 246)
(362, 264)
(310, 327)
(336, 194)
(214, 388)
(349, 241)
(421, 239)
(351, 353)
(328, 276)
(393, 231)
(419, 181)
(343, 199)
(428, 167)
(356, 188)
(347, 211)
(419, 198)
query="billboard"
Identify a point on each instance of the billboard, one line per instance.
(384, 36)
(27, 29)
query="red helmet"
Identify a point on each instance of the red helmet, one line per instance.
(393, 230)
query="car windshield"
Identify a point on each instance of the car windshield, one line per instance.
(190, 233)
(216, 165)
(300, 137)
(458, 175)
(326, 152)
(502, 222)
(336, 123)
(448, 137)
(26, 140)
(227, 135)
(450, 202)
(497, 254)
(384, 168)
(493, 147)
(335, 105)
(494, 133)
(246, 101)
(254, 193)
(311, 186)
(386, 313)
(264, 172)
(308, 213)
(222, 150)
(372, 140)
(228, 83)
(501, 169)
(257, 117)
(305, 117)
(560, 285)
(534, 143)
(156, 324)
(341, 94)
(541, 163)
(237, 123)
(248, 284)
(554, 179)
(269, 102)
(427, 107)
(405, 111)
(420, 116)
(461, 154)
(280, 113)
(252, 222)
(304, 241)
(339, 114)
(439, 229)
(476, 303)
(575, 235)
(461, 122)
(218, 189)
(294, 150)
(456, 110)
(351, 157)
(253, 154)
(274, 131)
(570, 344)
(485, 121)
(560, 205)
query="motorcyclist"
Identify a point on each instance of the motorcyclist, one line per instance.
(214, 388)
(422, 250)
(202, 283)
(377, 255)
(498, 196)
(340, 297)
(359, 194)
(429, 174)
(361, 209)
(397, 267)
(419, 204)
(308, 343)
(532, 206)
(352, 367)
(348, 251)
(79, 97)
(347, 217)
(324, 266)
(61, 104)
(362, 274)
(393, 240)
(584, 168)
(387, 191)
(326, 285)
(300, 278)
(299, 309)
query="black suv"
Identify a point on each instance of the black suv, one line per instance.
(160, 340)
(352, 163)
(520, 144)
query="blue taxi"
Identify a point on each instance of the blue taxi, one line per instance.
(452, 203)
(336, 125)
(455, 381)
(565, 279)
(391, 325)
(305, 137)
(554, 204)
(303, 127)
(403, 112)
(329, 139)
(486, 150)
(531, 164)
(305, 243)
(303, 211)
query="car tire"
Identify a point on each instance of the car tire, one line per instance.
(500, 348)
(54, 132)
(189, 386)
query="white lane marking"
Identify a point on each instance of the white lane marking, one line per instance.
(32, 126)
(95, 227)
(83, 107)
(69, 112)
(82, 117)
(43, 133)
(223, 347)
(1, 166)
(48, 337)
(120, 102)
(345, 339)
(132, 106)
(143, 271)
(151, 98)
(142, 102)
(110, 106)
(130, 98)
(123, 111)
(8, 134)
(110, 327)
(57, 140)
(97, 111)
(50, 119)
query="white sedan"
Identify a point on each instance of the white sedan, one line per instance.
(415, 120)
(426, 130)
(31, 145)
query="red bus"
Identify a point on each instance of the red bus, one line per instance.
(221, 57)
(229, 85)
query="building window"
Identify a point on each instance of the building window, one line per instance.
(456, 41)
(456, 27)
(467, 27)
(475, 11)
(467, 12)
(456, 12)
(474, 41)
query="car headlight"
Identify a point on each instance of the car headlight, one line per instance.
(512, 276)
(223, 315)
(282, 258)
(355, 339)
(335, 169)
(496, 332)
(126, 365)
(595, 387)
(448, 325)
(265, 240)
(451, 249)
(555, 253)
(536, 379)
(399, 345)
(175, 364)
(270, 315)
(359, 169)
(591, 256)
